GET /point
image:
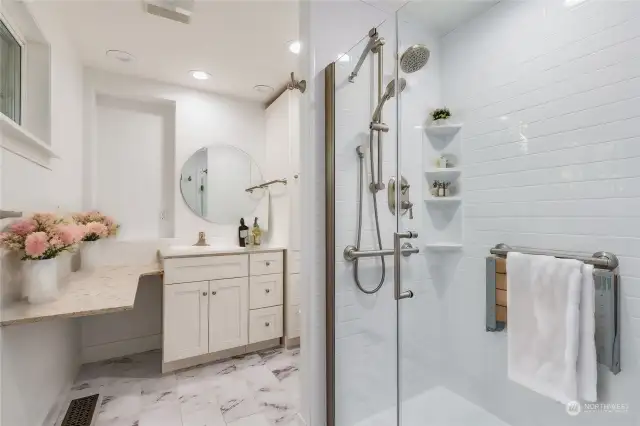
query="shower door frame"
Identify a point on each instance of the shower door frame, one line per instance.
(330, 246)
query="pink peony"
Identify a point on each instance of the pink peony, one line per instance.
(98, 229)
(69, 234)
(23, 227)
(36, 244)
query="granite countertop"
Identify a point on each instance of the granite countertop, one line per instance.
(197, 251)
(107, 289)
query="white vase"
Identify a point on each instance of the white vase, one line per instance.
(90, 255)
(40, 278)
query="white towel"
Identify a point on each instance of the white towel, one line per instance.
(543, 324)
(261, 212)
(587, 358)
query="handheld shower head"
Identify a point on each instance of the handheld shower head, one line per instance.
(414, 58)
(389, 93)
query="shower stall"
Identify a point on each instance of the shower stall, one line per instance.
(405, 256)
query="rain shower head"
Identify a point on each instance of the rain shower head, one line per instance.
(414, 58)
(389, 93)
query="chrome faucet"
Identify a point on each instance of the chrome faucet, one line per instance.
(407, 205)
(202, 239)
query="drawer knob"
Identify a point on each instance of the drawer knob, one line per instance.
(214, 293)
(267, 263)
(204, 293)
(266, 290)
(267, 324)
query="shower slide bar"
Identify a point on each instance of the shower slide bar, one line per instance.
(606, 280)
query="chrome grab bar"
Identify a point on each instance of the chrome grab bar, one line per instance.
(397, 252)
(351, 253)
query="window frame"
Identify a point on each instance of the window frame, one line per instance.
(17, 35)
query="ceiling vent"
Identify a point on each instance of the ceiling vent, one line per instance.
(176, 10)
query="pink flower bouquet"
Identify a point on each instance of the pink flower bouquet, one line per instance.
(96, 225)
(41, 236)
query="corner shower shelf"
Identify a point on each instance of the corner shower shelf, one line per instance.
(443, 246)
(445, 131)
(449, 174)
(444, 200)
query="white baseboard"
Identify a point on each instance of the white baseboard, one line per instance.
(120, 348)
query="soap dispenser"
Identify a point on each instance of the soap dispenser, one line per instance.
(243, 233)
(257, 232)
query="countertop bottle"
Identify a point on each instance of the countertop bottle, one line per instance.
(243, 233)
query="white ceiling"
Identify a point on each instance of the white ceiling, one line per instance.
(241, 43)
(438, 16)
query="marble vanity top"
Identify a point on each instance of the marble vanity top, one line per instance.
(194, 251)
(105, 290)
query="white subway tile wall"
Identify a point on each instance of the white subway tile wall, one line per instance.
(549, 93)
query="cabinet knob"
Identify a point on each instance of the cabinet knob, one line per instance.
(266, 290)
(204, 293)
(214, 293)
(267, 263)
(267, 324)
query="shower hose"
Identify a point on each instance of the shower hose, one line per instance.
(375, 212)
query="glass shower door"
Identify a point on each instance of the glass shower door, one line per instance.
(365, 310)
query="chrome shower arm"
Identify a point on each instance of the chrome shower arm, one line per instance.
(373, 42)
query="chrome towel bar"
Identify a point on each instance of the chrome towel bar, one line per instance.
(601, 259)
(606, 280)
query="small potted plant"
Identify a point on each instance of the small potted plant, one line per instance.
(435, 188)
(440, 116)
(96, 227)
(39, 240)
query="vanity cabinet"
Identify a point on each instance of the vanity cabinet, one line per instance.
(228, 314)
(221, 302)
(186, 320)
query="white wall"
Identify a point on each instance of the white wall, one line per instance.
(132, 142)
(282, 161)
(201, 119)
(549, 98)
(40, 360)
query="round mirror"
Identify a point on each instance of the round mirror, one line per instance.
(214, 182)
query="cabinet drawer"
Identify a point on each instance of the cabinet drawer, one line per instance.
(203, 268)
(265, 290)
(266, 263)
(293, 321)
(265, 324)
(293, 267)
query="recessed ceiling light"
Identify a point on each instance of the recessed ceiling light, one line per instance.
(120, 55)
(263, 88)
(200, 75)
(343, 57)
(295, 46)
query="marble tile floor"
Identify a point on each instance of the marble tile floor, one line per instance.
(259, 389)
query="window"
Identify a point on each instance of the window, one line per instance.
(10, 74)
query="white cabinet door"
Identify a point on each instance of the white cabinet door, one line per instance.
(228, 314)
(185, 320)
